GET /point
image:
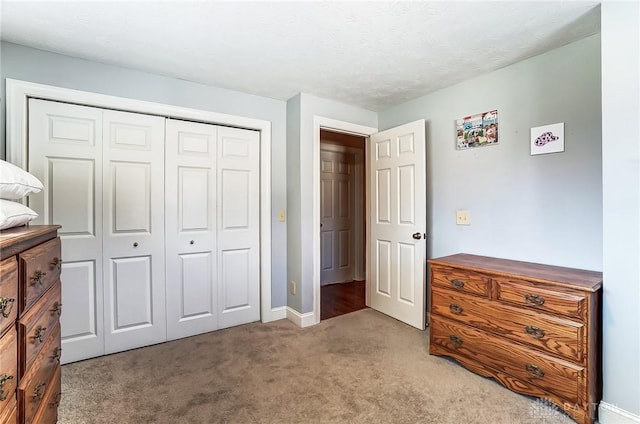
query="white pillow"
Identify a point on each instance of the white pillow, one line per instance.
(14, 214)
(15, 182)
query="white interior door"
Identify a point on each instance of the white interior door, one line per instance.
(134, 283)
(337, 239)
(397, 181)
(190, 170)
(65, 153)
(238, 226)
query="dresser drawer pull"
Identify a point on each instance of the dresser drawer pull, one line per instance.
(455, 309)
(57, 308)
(534, 370)
(37, 278)
(535, 332)
(56, 400)
(457, 341)
(534, 299)
(6, 305)
(38, 335)
(57, 354)
(38, 390)
(457, 284)
(56, 263)
(3, 379)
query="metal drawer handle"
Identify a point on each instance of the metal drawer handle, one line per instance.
(534, 370)
(6, 305)
(455, 309)
(38, 391)
(38, 276)
(535, 332)
(534, 299)
(457, 284)
(457, 341)
(56, 263)
(3, 379)
(39, 334)
(57, 354)
(57, 308)
(56, 400)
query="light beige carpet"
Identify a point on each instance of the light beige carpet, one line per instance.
(363, 367)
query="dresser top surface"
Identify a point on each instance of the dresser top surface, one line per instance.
(12, 238)
(576, 278)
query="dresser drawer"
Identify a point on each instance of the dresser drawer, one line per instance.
(550, 374)
(530, 294)
(460, 280)
(10, 416)
(48, 412)
(35, 327)
(555, 335)
(8, 369)
(40, 268)
(38, 377)
(8, 292)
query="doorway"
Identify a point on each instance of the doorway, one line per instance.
(342, 223)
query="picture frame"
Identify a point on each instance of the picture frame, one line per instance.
(478, 130)
(547, 139)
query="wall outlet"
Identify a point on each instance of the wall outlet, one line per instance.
(281, 215)
(463, 218)
(292, 287)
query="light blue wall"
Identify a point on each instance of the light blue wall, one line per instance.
(621, 207)
(544, 208)
(27, 64)
(302, 187)
(294, 253)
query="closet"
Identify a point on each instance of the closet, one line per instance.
(160, 224)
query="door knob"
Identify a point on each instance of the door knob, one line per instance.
(417, 236)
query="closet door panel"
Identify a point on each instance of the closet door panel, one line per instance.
(65, 153)
(134, 289)
(238, 223)
(190, 228)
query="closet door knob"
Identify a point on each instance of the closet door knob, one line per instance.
(135, 244)
(191, 242)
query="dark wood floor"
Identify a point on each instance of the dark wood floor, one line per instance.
(342, 298)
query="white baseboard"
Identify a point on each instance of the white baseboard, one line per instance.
(611, 414)
(301, 320)
(275, 314)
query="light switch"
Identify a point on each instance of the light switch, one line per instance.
(463, 218)
(281, 215)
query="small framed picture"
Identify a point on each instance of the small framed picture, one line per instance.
(547, 139)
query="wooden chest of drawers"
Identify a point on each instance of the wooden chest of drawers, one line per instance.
(30, 307)
(534, 328)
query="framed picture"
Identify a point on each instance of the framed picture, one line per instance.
(477, 130)
(547, 139)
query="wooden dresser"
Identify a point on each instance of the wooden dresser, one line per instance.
(30, 310)
(534, 328)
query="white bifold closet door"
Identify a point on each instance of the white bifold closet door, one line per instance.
(103, 173)
(65, 153)
(212, 227)
(160, 224)
(133, 252)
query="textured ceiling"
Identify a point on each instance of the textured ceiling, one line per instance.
(369, 54)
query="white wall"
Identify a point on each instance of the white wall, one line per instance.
(621, 210)
(27, 64)
(300, 260)
(544, 208)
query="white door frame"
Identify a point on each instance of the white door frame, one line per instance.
(320, 122)
(17, 97)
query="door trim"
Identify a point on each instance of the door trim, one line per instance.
(341, 127)
(17, 97)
